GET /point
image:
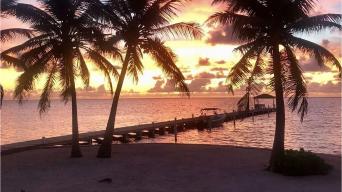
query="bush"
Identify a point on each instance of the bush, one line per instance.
(300, 163)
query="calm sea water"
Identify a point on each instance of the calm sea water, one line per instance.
(320, 131)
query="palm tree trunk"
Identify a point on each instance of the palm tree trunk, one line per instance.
(278, 143)
(105, 150)
(75, 148)
(68, 59)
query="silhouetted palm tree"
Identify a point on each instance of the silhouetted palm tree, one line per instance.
(1, 95)
(141, 25)
(63, 34)
(269, 27)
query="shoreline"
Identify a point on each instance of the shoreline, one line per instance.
(157, 167)
(136, 143)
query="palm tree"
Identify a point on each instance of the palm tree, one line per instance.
(269, 27)
(63, 34)
(1, 95)
(140, 25)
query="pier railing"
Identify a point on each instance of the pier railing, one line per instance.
(123, 134)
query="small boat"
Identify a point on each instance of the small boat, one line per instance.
(213, 120)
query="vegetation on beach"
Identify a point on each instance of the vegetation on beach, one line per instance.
(269, 28)
(301, 163)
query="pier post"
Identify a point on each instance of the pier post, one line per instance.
(125, 138)
(162, 130)
(43, 140)
(253, 115)
(268, 110)
(210, 125)
(175, 129)
(234, 117)
(138, 135)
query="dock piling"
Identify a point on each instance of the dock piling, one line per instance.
(175, 129)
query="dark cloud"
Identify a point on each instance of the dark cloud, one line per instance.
(157, 78)
(325, 42)
(311, 65)
(333, 45)
(220, 75)
(324, 89)
(222, 35)
(203, 62)
(220, 69)
(198, 85)
(162, 86)
(220, 62)
(205, 75)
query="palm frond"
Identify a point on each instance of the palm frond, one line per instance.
(321, 54)
(25, 81)
(165, 58)
(239, 73)
(44, 102)
(135, 66)
(9, 34)
(294, 85)
(180, 30)
(84, 72)
(317, 23)
(104, 65)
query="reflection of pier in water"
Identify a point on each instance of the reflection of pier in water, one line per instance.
(136, 132)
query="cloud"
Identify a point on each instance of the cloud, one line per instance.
(199, 85)
(163, 86)
(221, 87)
(333, 45)
(203, 62)
(157, 78)
(220, 69)
(220, 62)
(205, 75)
(329, 89)
(311, 65)
(222, 35)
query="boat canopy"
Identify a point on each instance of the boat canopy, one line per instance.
(264, 96)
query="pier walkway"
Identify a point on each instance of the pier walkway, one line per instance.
(125, 134)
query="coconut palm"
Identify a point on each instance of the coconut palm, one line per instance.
(141, 25)
(64, 34)
(270, 27)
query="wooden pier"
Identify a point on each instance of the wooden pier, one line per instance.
(126, 134)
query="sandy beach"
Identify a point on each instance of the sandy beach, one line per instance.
(157, 167)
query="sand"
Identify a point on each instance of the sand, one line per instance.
(157, 168)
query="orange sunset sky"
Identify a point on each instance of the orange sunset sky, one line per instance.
(205, 63)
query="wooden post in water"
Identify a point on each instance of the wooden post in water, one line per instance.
(175, 129)
(138, 135)
(210, 124)
(253, 115)
(234, 117)
(268, 110)
(43, 140)
(151, 133)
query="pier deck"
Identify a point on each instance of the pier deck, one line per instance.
(124, 133)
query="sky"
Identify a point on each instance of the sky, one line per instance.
(205, 63)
